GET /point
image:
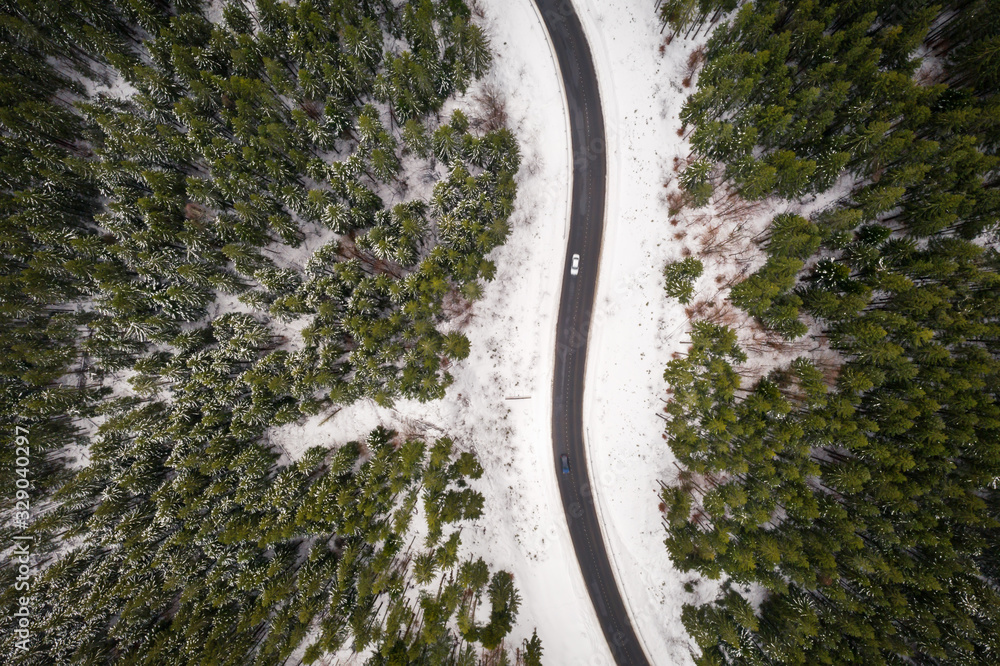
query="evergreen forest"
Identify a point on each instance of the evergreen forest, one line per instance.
(220, 218)
(851, 512)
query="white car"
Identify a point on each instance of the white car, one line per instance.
(574, 268)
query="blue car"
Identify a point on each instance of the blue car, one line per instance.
(564, 459)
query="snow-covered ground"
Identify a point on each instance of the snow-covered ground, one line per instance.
(636, 328)
(512, 336)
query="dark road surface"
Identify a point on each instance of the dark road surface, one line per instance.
(573, 327)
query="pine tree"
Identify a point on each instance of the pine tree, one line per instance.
(680, 278)
(533, 650)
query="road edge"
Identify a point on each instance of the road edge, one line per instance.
(567, 129)
(611, 207)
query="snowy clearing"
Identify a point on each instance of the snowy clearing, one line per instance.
(635, 327)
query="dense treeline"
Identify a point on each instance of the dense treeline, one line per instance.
(863, 500)
(197, 549)
(160, 174)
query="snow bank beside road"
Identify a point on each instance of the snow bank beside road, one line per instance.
(635, 328)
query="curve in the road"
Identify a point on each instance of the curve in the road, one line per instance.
(573, 328)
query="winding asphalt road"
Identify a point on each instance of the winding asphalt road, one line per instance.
(573, 327)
